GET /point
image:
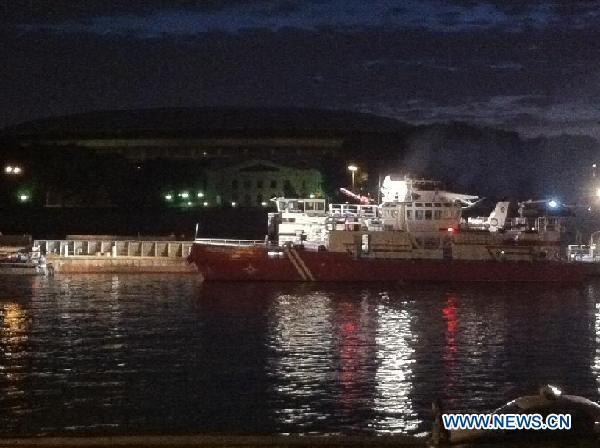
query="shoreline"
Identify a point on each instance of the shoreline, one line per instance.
(216, 441)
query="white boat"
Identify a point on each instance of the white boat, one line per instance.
(25, 263)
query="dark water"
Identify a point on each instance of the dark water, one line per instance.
(166, 354)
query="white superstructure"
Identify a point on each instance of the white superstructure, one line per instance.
(423, 217)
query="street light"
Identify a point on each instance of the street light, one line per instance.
(353, 169)
(13, 170)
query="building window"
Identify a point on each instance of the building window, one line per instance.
(273, 183)
(234, 184)
(409, 214)
(259, 199)
(428, 214)
(418, 215)
(437, 214)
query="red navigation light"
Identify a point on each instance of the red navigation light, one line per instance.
(450, 229)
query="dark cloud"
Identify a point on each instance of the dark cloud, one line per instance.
(520, 65)
(58, 11)
(148, 18)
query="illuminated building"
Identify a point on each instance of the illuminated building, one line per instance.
(138, 157)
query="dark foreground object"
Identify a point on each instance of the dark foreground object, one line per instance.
(272, 441)
(215, 441)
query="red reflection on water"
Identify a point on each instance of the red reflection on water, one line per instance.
(450, 347)
(349, 352)
(449, 313)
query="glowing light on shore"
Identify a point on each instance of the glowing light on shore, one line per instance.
(13, 170)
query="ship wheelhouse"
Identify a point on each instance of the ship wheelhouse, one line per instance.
(421, 217)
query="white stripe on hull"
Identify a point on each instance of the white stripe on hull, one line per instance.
(301, 263)
(288, 251)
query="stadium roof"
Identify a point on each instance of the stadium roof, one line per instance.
(202, 121)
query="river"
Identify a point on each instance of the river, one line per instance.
(166, 354)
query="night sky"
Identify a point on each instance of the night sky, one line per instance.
(531, 66)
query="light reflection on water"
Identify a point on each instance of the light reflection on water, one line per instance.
(166, 354)
(394, 347)
(299, 334)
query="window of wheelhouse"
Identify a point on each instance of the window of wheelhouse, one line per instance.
(428, 214)
(418, 215)
(408, 214)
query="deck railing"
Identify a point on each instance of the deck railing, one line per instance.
(115, 248)
(229, 242)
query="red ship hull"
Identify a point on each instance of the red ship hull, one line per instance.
(259, 263)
